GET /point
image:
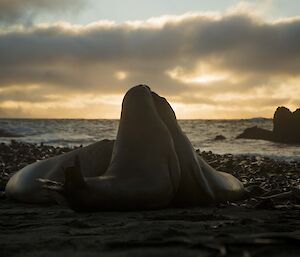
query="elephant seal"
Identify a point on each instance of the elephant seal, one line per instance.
(144, 171)
(200, 184)
(151, 165)
(23, 185)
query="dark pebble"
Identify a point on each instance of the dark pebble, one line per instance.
(268, 174)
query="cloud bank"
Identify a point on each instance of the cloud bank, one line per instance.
(209, 65)
(20, 11)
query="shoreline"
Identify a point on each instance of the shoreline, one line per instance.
(273, 176)
(291, 156)
(246, 228)
(202, 135)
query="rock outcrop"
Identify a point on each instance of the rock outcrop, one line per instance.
(4, 133)
(257, 133)
(286, 128)
(286, 125)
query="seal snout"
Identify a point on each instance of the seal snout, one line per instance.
(139, 90)
(135, 98)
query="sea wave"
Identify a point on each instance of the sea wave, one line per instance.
(200, 132)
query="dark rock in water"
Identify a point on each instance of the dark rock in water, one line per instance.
(4, 133)
(286, 128)
(282, 123)
(286, 125)
(257, 133)
(220, 137)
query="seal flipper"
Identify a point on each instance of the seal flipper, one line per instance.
(73, 176)
(73, 187)
(54, 190)
(65, 193)
(73, 179)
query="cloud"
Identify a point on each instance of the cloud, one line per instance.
(20, 11)
(237, 56)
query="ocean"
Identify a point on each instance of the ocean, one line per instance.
(75, 132)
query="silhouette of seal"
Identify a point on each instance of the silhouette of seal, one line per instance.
(143, 172)
(151, 165)
(200, 184)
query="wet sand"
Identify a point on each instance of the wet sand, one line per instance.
(232, 231)
(246, 228)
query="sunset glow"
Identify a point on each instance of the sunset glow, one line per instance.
(209, 62)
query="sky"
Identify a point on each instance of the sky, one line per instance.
(210, 59)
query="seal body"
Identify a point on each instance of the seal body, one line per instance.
(151, 165)
(200, 184)
(144, 171)
(24, 186)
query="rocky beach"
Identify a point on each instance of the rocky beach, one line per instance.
(256, 226)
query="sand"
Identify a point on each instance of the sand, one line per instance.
(28, 230)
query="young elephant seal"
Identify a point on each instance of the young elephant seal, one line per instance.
(200, 184)
(24, 185)
(144, 170)
(151, 165)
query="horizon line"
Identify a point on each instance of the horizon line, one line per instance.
(41, 118)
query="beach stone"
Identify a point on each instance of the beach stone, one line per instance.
(265, 204)
(268, 175)
(220, 137)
